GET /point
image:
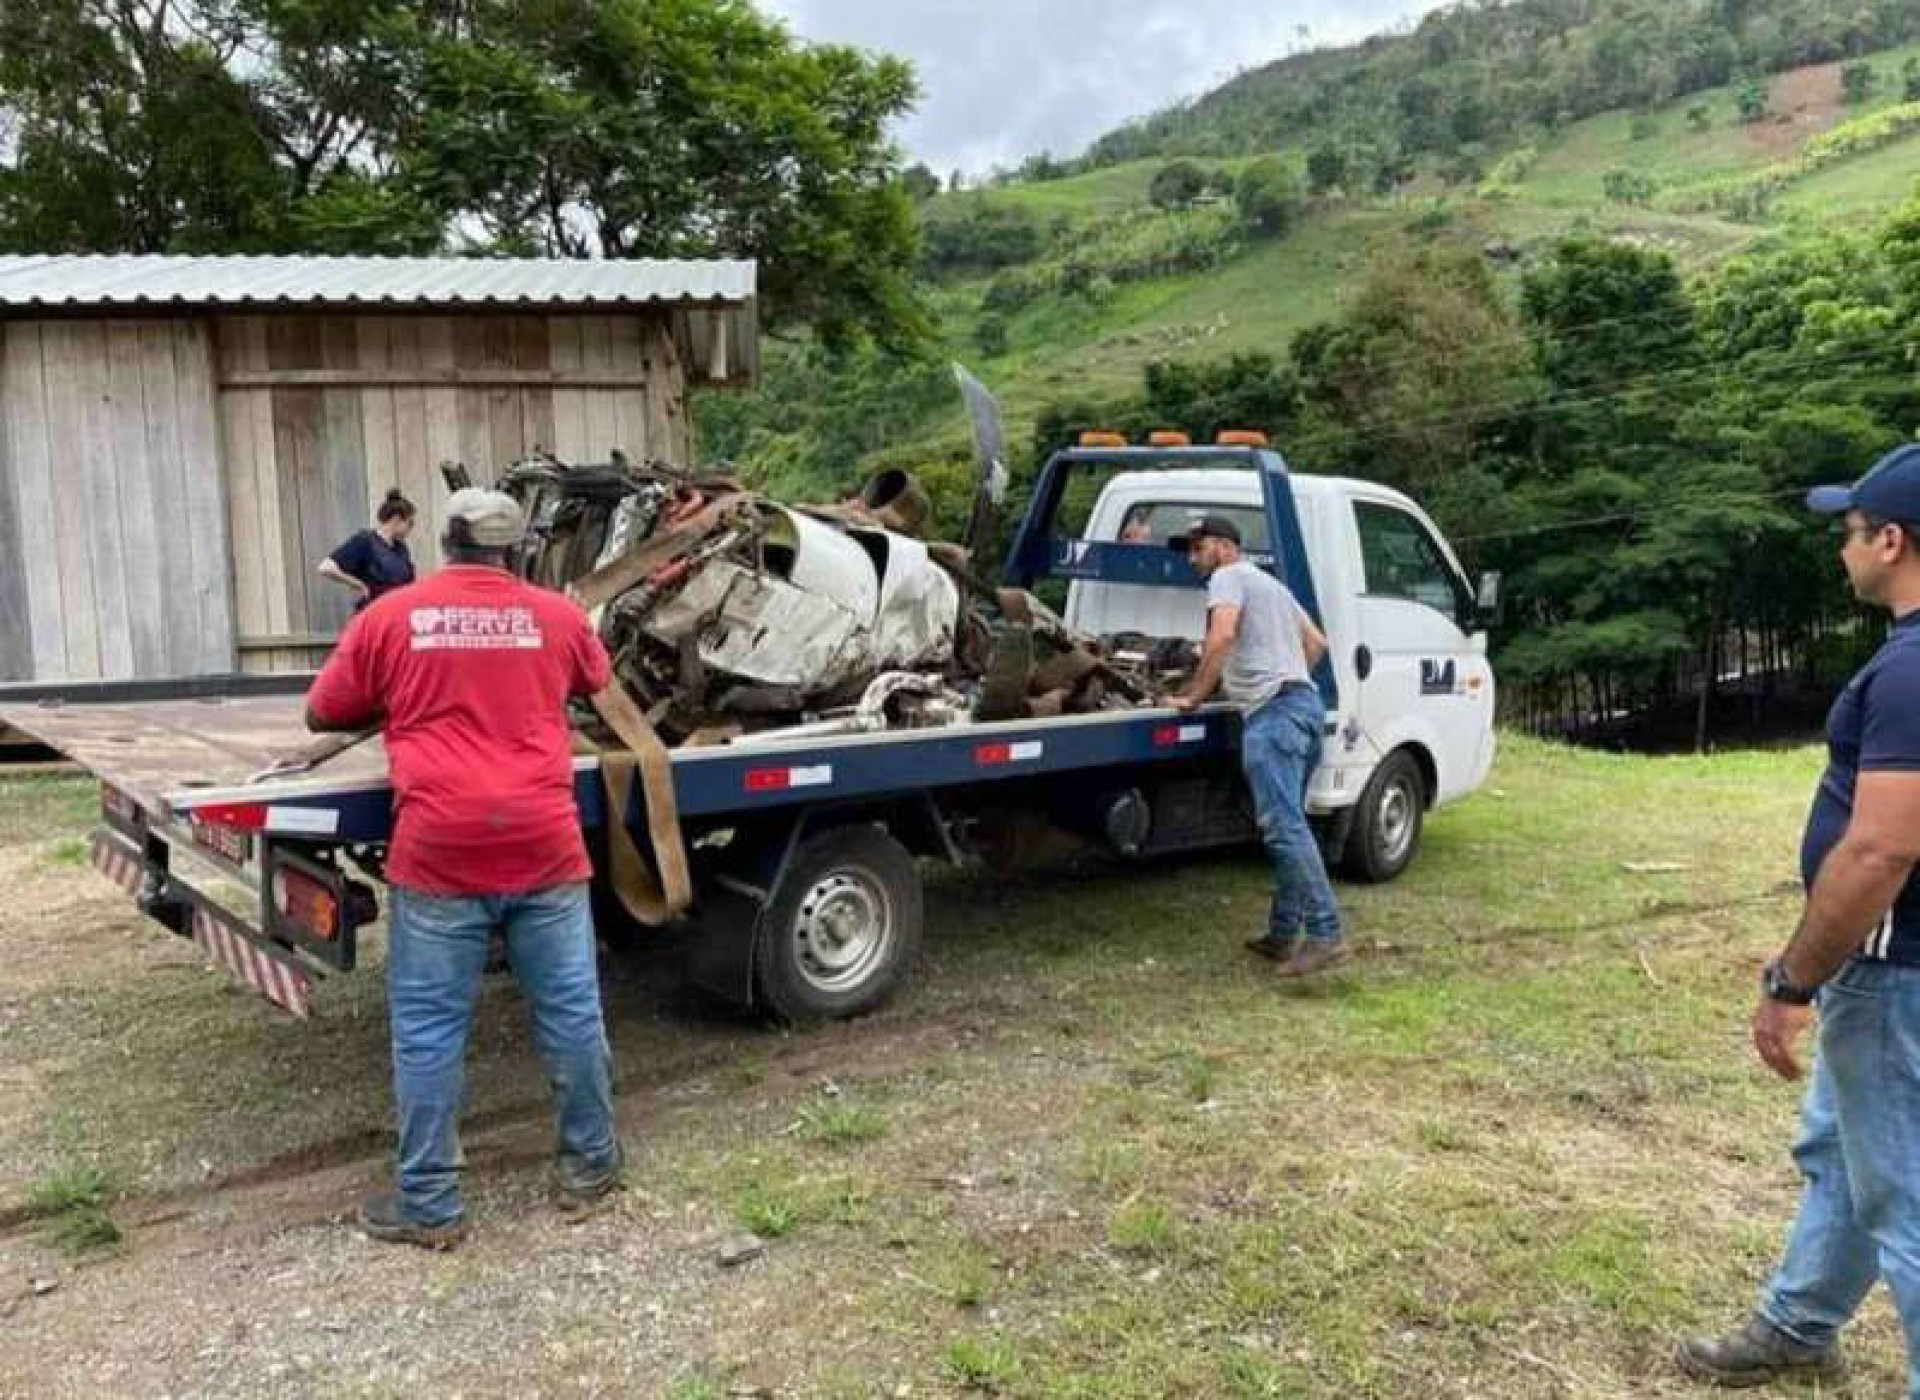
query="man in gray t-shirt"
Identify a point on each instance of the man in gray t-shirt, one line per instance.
(1261, 642)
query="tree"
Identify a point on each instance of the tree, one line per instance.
(990, 336)
(1176, 185)
(920, 182)
(1857, 81)
(1407, 385)
(1268, 196)
(1625, 186)
(1326, 169)
(980, 236)
(628, 128)
(1392, 170)
(1203, 399)
(1750, 100)
(1043, 167)
(672, 128)
(131, 136)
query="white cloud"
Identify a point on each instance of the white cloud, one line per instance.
(1004, 79)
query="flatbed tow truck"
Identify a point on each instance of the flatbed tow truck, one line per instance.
(803, 847)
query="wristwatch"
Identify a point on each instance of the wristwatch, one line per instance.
(1775, 987)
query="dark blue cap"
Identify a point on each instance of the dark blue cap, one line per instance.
(1889, 491)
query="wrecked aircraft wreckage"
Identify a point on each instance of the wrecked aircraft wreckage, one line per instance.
(732, 618)
(729, 614)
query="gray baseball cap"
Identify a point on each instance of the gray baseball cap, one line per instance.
(493, 518)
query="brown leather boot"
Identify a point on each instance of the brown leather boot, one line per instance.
(1315, 955)
(1754, 1354)
(382, 1219)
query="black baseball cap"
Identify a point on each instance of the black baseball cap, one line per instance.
(1889, 491)
(1215, 526)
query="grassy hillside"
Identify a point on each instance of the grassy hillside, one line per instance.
(1082, 315)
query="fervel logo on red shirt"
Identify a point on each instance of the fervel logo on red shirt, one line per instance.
(474, 629)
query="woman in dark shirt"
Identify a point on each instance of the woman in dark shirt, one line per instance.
(372, 562)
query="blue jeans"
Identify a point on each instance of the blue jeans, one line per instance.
(1859, 1216)
(436, 950)
(1279, 749)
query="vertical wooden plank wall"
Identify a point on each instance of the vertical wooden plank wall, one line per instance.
(171, 484)
(112, 486)
(321, 415)
(29, 469)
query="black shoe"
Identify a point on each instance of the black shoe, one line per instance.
(580, 1188)
(1755, 1354)
(381, 1219)
(1273, 946)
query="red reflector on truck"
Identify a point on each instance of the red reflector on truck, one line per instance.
(1169, 735)
(306, 902)
(781, 779)
(991, 755)
(279, 817)
(242, 816)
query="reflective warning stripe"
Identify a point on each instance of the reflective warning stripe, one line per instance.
(111, 859)
(991, 755)
(782, 779)
(279, 979)
(279, 982)
(1169, 735)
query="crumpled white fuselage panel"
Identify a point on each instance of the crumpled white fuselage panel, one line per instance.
(830, 622)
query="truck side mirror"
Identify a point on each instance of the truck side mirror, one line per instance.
(1486, 598)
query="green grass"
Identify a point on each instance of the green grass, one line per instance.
(1142, 1227)
(767, 1211)
(842, 1124)
(73, 1203)
(31, 807)
(1856, 191)
(1520, 1138)
(981, 1364)
(694, 1387)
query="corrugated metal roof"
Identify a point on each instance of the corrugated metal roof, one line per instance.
(81, 282)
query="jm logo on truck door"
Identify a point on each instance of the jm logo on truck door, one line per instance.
(1437, 677)
(1072, 559)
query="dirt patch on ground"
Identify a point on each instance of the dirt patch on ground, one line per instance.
(1093, 1149)
(1801, 104)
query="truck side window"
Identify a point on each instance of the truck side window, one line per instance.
(1402, 560)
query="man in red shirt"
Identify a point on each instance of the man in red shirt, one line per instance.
(468, 674)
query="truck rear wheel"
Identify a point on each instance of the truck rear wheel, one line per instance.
(1387, 821)
(842, 928)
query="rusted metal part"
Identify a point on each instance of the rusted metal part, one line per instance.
(723, 607)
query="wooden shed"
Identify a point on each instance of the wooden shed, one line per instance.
(186, 438)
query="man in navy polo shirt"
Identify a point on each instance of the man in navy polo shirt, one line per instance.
(1855, 955)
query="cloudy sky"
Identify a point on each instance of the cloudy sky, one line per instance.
(1004, 79)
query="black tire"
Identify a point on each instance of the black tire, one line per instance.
(842, 928)
(1385, 835)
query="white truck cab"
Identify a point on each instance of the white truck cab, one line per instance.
(1412, 724)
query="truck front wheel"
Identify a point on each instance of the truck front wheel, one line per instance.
(842, 928)
(1386, 823)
